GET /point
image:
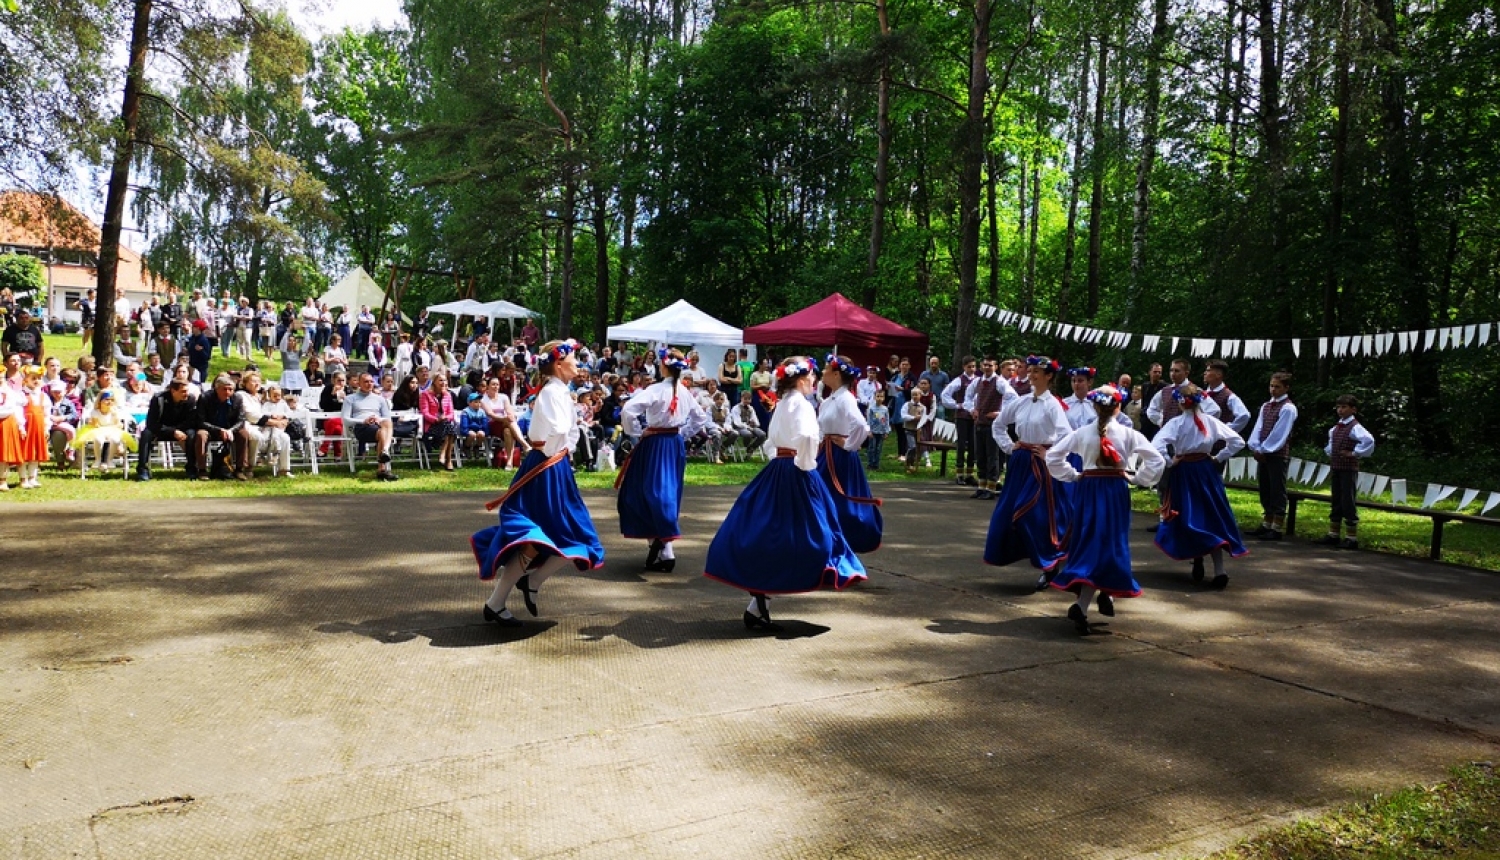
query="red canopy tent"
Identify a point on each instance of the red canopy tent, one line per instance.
(865, 336)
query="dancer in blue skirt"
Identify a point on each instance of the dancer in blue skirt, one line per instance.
(1196, 517)
(1031, 515)
(650, 479)
(544, 525)
(1098, 541)
(782, 536)
(844, 431)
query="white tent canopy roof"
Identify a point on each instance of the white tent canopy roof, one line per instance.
(357, 288)
(679, 323)
(464, 307)
(503, 310)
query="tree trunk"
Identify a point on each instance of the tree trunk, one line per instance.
(1426, 403)
(1096, 197)
(119, 184)
(882, 163)
(971, 179)
(1334, 266)
(1150, 123)
(1029, 304)
(993, 170)
(627, 250)
(601, 263)
(1070, 237)
(1273, 157)
(567, 216)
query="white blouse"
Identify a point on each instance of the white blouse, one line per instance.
(1085, 443)
(655, 404)
(794, 425)
(553, 421)
(1039, 420)
(840, 416)
(1185, 438)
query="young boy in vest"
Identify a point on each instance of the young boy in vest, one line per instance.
(1348, 443)
(1270, 441)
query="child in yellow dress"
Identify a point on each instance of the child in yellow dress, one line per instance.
(105, 429)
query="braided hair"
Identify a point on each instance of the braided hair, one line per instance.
(1106, 400)
(672, 364)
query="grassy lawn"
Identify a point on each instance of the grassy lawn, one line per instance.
(1458, 819)
(65, 348)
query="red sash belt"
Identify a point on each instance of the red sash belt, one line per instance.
(1043, 487)
(1104, 473)
(650, 431)
(833, 474)
(524, 479)
(786, 452)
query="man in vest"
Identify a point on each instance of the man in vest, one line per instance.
(952, 397)
(984, 400)
(1270, 441)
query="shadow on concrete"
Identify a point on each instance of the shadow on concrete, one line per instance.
(1031, 628)
(657, 631)
(442, 630)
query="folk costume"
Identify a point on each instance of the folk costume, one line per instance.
(844, 430)
(953, 397)
(1197, 520)
(1271, 442)
(12, 435)
(782, 535)
(1348, 443)
(986, 397)
(1030, 517)
(649, 482)
(1098, 545)
(542, 512)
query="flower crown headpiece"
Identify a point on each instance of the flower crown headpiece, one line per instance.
(1051, 365)
(665, 356)
(1194, 399)
(796, 369)
(1106, 395)
(559, 352)
(1082, 371)
(844, 367)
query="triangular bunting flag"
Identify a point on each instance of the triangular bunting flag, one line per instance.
(1322, 475)
(1428, 336)
(1174, 344)
(1322, 347)
(1430, 498)
(1294, 471)
(1467, 499)
(1489, 503)
(1398, 491)
(1235, 468)
(1380, 483)
(1296, 348)
(1365, 485)
(1484, 333)
(1340, 347)
(1252, 470)
(1470, 332)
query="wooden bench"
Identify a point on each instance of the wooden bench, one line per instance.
(943, 448)
(1439, 518)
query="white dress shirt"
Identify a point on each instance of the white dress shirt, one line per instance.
(1279, 433)
(1239, 414)
(553, 421)
(1085, 443)
(794, 425)
(1185, 437)
(971, 397)
(1154, 410)
(1039, 420)
(1364, 440)
(655, 405)
(839, 416)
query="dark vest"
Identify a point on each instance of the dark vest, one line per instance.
(1268, 415)
(965, 381)
(1221, 399)
(986, 401)
(1170, 408)
(1343, 447)
(1022, 386)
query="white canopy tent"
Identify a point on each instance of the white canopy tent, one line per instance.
(679, 323)
(355, 289)
(462, 307)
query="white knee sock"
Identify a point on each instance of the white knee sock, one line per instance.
(754, 607)
(514, 569)
(546, 569)
(1085, 597)
(1218, 556)
(666, 551)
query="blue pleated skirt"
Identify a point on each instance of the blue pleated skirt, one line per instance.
(858, 511)
(1204, 520)
(650, 494)
(782, 536)
(548, 513)
(1098, 541)
(1030, 516)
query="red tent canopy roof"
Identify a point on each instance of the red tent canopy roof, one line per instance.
(838, 321)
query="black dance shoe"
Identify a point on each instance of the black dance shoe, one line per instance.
(1042, 581)
(524, 584)
(492, 615)
(1106, 605)
(664, 565)
(1220, 582)
(1198, 569)
(1080, 621)
(763, 620)
(654, 554)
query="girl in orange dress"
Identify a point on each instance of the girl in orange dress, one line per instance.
(12, 413)
(35, 406)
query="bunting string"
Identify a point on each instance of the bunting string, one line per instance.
(1342, 346)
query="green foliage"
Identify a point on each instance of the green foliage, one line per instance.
(20, 273)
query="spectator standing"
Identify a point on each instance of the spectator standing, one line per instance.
(1152, 387)
(24, 338)
(937, 380)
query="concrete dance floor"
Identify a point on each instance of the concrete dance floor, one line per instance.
(311, 677)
